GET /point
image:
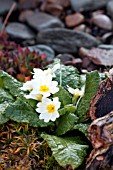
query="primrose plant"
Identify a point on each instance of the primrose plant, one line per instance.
(56, 102)
(42, 88)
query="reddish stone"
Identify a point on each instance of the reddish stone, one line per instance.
(64, 3)
(74, 19)
(98, 56)
(54, 9)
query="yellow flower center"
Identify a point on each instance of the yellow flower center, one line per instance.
(76, 95)
(44, 88)
(39, 97)
(50, 108)
(31, 88)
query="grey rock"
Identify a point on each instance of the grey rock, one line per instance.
(106, 46)
(110, 8)
(1, 24)
(78, 5)
(65, 40)
(40, 21)
(5, 6)
(19, 30)
(44, 49)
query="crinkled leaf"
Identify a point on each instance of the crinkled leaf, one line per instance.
(82, 128)
(67, 151)
(63, 96)
(67, 108)
(66, 123)
(3, 118)
(21, 111)
(92, 82)
(68, 75)
(10, 88)
(9, 83)
(5, 96)
(5, 100)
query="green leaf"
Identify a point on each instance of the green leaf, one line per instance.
(5, 96)
(92, 82)
(63, 96)
(21, 111)
(67, 108)
(66, 123)
(68, 74)
(3, 118)
(82, 128)
(67, 150)
(5, 100)
(9, 83)
(70, 108)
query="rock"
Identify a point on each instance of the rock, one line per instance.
(98, 56)
(74, 19)
(54, 9)
(106, 46)
(102, 21)
(66, 41)
(81, 27)
(27, 4)
(24, 14)
(110, 9)
(1, 24)
(40, 21)
(86, 62)
(5, 6)
(43, 49)
(64, 3)
(88, 4)
(107, 37)
(65, 57)
(19, 30)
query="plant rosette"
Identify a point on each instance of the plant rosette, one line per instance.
(56, 100)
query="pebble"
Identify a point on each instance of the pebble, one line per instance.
(65, 40)
(44, 49)
(19, 31)
(27, 4)
(1, 24)
(54, 9)
(110, 9)
(106, 46)
(74, 19)
(102, 21)
(5, 5)
(65, 57)
(81, 5)
(40, 21)
(24, 14)
(106, 38)
(81, 27)
(98, 56)
(64, 3)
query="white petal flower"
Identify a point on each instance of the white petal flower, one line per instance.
(76, 92)
(45, 86)
(28, 85)
(48, 109)
(49, 72)
(34, 96)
